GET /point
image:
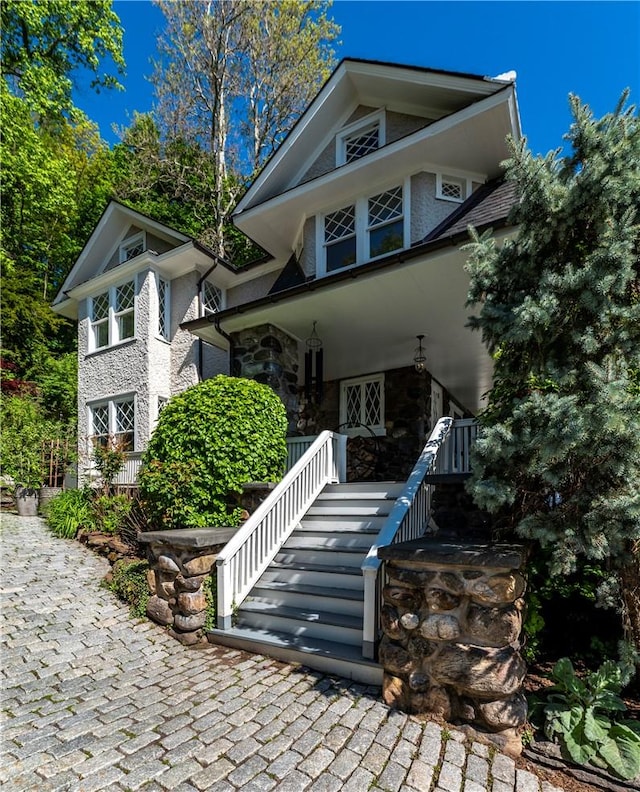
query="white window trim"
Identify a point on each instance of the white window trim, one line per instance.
(350, 130)
(112, 318)
(378, 429)
(464, 181)
(204, 311)
(111, 403)
(167, 308)
(362, 228)
(141, 236)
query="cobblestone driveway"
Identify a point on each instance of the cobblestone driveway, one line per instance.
(92, 700)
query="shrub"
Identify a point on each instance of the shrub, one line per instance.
(68, 512)
(111, 512)
(210, 440)
(129, 583)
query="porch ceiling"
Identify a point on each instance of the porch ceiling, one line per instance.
(369, 323)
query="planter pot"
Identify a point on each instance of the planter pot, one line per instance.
(47, 494)
(27, 501)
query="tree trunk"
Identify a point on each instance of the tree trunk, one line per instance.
(630, 589)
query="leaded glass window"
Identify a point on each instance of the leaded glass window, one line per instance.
(340, 238)
(163, 308)
(212, 298)
(385, 222)
(362, 143)
(362, 404)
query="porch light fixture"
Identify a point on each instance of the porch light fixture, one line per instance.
(313, 359)
(419, 357)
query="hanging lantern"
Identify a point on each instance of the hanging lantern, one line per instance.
(313, 362)
(419, 356)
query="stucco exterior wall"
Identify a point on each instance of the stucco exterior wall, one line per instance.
(251, 290)
(308, 257)
(184, 352)
(427, 211)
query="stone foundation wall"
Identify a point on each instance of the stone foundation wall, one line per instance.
(452, 618)
(181, 564)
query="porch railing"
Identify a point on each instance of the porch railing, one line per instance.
(407, 520)
(244, 559)
(296, 447)
(128, 474)
(453, 457)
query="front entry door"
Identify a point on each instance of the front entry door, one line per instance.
(437, 410)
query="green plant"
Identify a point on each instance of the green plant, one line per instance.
(109, 459)
(24, 427)
(210, 440)
(68, 512)
(580, 713)
(210, 590)
(111, 512)
(129, 583)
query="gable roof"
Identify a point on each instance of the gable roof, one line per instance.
(431, 93)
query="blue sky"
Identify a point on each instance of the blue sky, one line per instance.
(588, 48)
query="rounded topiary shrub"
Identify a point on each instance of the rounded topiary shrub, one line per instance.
(209, 441)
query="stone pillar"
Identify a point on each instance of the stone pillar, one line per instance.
(267, 354)
(452, 617)
(181, 561)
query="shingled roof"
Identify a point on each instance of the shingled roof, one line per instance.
(488, 205)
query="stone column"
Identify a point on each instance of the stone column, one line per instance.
(181, 561)
(452, 617)
(267, 354)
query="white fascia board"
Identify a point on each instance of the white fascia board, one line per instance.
(67, 308)
(121, 273)
(351, 170)
(311, 112)
(114, 208)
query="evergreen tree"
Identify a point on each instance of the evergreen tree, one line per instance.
(559, 309)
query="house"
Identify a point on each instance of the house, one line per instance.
(357, 319)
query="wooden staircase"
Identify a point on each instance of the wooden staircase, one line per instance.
(308, 605)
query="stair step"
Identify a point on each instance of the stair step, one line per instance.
(327, 625)
(307, 589)
(339, 577)
(322, 556)
(351, 506)
(339, 603)
(382, 490)
(342, 522)
(323, 655)
(339, 542)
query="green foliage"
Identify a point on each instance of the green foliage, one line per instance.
(110, 513)
(109, 459)
(209, 441)
(24, 427)
(129, 583)
(68, 512)
(46, 42)
(558, 459)
(210, 589)
(582, 715)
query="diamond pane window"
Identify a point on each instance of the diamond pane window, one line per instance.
(124, 424)
(451, 189)
(363, 143)
(124, 302)
(211, 298)
(340, 238)
(132, 248)
(100, 307)
(385, 222)
(362, 404)
(124, 296)
(101, 425)
(163, 308)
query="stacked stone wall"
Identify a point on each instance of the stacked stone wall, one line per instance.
(452, 618)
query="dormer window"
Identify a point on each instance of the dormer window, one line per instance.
(452, 188)
(132, 247)
(211, 298)
(360, 138)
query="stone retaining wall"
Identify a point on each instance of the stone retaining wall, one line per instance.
(181, 562)
(452, 618)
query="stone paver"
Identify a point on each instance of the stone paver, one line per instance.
(93, 700)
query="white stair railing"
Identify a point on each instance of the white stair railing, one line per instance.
(454, 457)
(407, 520)
(244, 559)
(296, 447)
